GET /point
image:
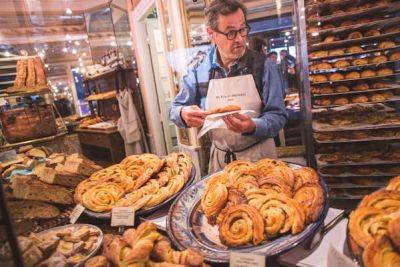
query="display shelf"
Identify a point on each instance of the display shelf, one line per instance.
(357, 67)
(360, 126)
(31, 142)
(333, 3)
(358, 79)
(105, 74)
(43, 91)
(395, 98)
(365, 163)
(357, 92)
(358, 140)
(354, 175)
(370, 51)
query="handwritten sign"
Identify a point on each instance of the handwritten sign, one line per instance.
(122, 216)
(76, 213)
(246, 260)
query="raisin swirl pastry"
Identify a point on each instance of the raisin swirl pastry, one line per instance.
(215, 197)
(304, 176)
(271, 184)
(238, 165)
(102, 197)
(311, 198)
(82, 187)
(281, 214)
(394, 231)
(384, 199)
(244, 179)
(380, 252)
(242, 224)
(394, 184)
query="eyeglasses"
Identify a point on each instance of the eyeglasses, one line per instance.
(231, 35)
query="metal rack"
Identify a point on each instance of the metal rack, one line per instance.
(316, 20)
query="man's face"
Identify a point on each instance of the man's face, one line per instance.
(273, 58)
(229, 49)
(283, 54)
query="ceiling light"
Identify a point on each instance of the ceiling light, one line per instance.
(314, 34)
(84, 54)
(65, 50)
(74, 51)
(68, 11)
(68, 36)
(129, 43)
(7, 54)
(77, 43)
(287, 33)
(46, 65)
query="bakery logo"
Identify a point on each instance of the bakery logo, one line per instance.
(230, 97)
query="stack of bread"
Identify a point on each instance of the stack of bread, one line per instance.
(30, 74)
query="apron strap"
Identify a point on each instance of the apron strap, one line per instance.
(230, 155)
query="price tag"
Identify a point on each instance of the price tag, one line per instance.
(122, 216)
(246, 260)
(337, 259)
(76, 213)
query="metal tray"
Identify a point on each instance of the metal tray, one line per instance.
(349, 163)
(187, 228)
(358, 140)
(349, 174)
(358, 92)
(323, 127)
(358, 79)
(394, 98)
(370, 51)
(142, 212)
(91, 254)
(334, 70)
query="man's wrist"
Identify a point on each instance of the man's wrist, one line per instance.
(252, 129)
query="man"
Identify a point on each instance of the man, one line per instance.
(273, 56)
(287, 67)
(240, 76)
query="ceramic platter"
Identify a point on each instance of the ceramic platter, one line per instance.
(187, 227)
(77, 226)
(142, 212)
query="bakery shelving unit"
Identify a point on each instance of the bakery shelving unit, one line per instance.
(350, 53)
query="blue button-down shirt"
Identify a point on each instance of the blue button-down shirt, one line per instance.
(195, 85)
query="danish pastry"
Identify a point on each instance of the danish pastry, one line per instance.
(323, 102)
(355, 35)
(320, 53)
(304, 176)
(360, 87)
(336, 52)
(372, 32)
(341, 101)
(379, 59)
(342, 89)
(354, 49)
(359, 99)
(353, 75)
(377, 98)
(384, 71)
(386, 45)
(214, 199)
(325, 90)
(368, 73)
(394, 184)
(336, 77)
(394, 56)
(311, 198)
(359, 62)
(270, 184)
(380, 252)
(384, 200)
(341, 64)
(319, 78)
(379, 85)
(329, 39)
(394, 231)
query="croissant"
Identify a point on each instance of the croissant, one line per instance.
(184, 165)
(116, 252)
(384, 199)
(366, 223)
(311, 198)
(214, 198)
(241, 225)
(281, 213)
(102, 197)
(380, 252)
(394, 184)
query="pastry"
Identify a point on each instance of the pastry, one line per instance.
(341, 64)
(332, 158)
(280, 213)
(336, 52)
(384, 200)
(394, 231)
(39, 71)
(394, 184)
(214, 197)
(102, 197)
(319, 78)
(21, 73)
(236, 166)
(394, 56)
(372, 32)
(360, 87)
(392, 29)
(336, 77)
(251, 229)
(311, 198)
(329, 39)
(377, 98)
(228, 108)
(384, 71)
(355, 35)
(380, 85)
(380, 252)
(22, 209)
(31, 77)
(341, 101)
(342, 89)
(323, 66)
(386, 45)
(352, 75)
(323, 102)
(303, 176)
(354, 49)
(328, 26)
(359, 99)
(244, 180)
(325, 90)
(379, 59)
(368, 73)
(316, 54)
(97, 261)
(346, 23)
(359, 62)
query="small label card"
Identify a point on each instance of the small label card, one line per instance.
(337, 259)
(246, 259)
(122, 216)
(76, 213)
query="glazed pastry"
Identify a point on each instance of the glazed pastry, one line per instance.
(215, 197)
(279, 171)
(360, 87)
(244, 180)
(311, 199)
(341, 101)
(342, 89)
(304, 175)
(319, 78)
(373, 32)
(336, 52)
(377, 98)
(359, 62)
(355, 35)
(353, 75)
(97, 261)
(380, 252)
(341, 64)
(368, 73)
(102, 197)
(394, 231)
(379, 59)
(394, 56)
(236, 166)
(384, 200)
(336, 77)
(384, 71)
(329, 39)
(366, 223)
(354, 49)
(280, 213)
(241, 225)
(270, 184)
(394, 184)
(386, 45)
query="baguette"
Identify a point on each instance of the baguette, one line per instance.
(222, 109)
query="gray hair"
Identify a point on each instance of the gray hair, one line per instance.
(222, 7)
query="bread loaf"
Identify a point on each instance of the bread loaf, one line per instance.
(39, 72)
(58, 175)
(31, 78)
(23, 209)
(21, 73)
(76, 163)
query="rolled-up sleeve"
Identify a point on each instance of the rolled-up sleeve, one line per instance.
(273, 116)
(185, 97)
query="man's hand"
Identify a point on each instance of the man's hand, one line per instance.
(193, 116)
(239, 123)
